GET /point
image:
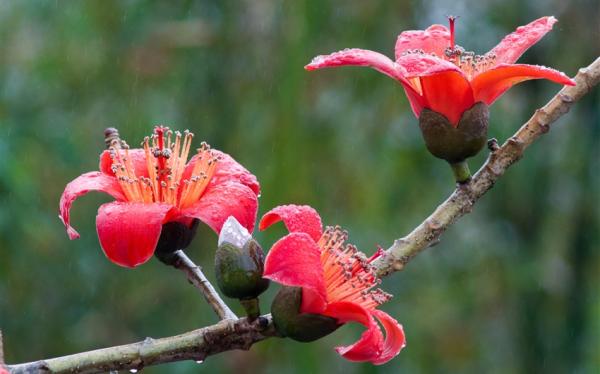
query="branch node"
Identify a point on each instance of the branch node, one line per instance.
(492, 145)
(567, 99)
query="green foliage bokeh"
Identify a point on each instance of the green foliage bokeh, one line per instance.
(513, 287)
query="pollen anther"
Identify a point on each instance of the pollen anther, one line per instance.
(166, 156)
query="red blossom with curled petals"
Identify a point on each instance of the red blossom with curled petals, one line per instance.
(337, 281)
(154, 185)
(438, 75)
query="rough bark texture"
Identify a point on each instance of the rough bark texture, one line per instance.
(241, 334)
(194, 345)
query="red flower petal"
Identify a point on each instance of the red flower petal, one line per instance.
(312, 301)
(433, 40)
(445, 88)
(357, 57)
(129, 232)
(92, 181)
(394, 337)
(379, 62)
(223, 200)
(489, 85)
(515, 44)
(137, 157)
(297, 218)
(295, 260)
(448, 93)
(370, 345)
(227, 170)
(417, 103)
(419, 65)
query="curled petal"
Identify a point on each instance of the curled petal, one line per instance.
(415, 99)
(222, 200)
(371, 344)
(489, 85)
(379, 62)
(515, 44)
(394, 337)
(92, 181)
(444, 87)
(295, 260)
(419, 65)
(129, 232)
(137, 157)
(433, 40)
(358, 57)
(297, 218)
(227, 170)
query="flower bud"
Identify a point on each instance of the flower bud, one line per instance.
(456, 144)
(303, 327)
(239, 264)
(173, 237)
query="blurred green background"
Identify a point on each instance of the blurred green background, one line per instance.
(513, 287)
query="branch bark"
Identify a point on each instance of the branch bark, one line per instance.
(232, 334)
(198, 279)
(194, 345)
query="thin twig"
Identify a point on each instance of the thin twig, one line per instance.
(240, 334)
(198, 279)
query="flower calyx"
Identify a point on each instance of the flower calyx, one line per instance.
(456, 143)
(291, 323)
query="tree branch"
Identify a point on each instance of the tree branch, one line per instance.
(240, 334)
(194, 345)
(198, 279)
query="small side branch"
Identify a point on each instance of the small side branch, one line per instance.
(500, 159)
(198, 279)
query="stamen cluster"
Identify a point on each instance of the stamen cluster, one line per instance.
(470, 63)
(349, 275)
(166, 153)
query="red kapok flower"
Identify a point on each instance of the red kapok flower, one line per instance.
(154, 185)
(336, 279)
(441, 76)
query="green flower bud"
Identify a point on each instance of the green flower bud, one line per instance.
(239, 265)
(456, 144)
(303, 327)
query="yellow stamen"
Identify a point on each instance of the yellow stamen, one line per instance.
(166, 156)
(347, 272)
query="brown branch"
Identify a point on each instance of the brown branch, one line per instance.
(465, 196)
(194, 345)
(1, 350)
(197, 278)
(241, 334)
